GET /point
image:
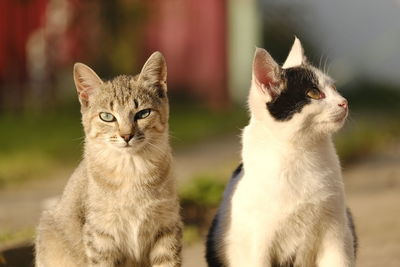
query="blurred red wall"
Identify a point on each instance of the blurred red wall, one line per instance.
(192, 35)
(18, 20)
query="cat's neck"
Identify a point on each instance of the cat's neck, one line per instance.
(285, 137)
(259, 142)
(143, 166)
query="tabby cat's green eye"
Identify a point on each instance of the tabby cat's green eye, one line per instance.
(142, 114)
(107, 117)
(314, 93)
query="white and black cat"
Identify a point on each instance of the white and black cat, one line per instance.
(285, 205)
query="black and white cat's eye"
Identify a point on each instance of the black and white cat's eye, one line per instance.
(142, 114)
(107, 117)
(314, 93)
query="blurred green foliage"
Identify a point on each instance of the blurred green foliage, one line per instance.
(365, 135)
(35, 144)
(15, 237)
(204, 190)
(191, 123)
(373, 98)
(373, 122)
(191, 234)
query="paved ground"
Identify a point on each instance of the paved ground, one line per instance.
(373, 192)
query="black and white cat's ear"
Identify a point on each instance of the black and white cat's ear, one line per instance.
(266, 72)
(296, 55)
(154, 71)
(86, 81)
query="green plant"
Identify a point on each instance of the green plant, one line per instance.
(14, 237)
(203, 190)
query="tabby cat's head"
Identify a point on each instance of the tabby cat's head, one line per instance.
(128, 113)
(296, 99)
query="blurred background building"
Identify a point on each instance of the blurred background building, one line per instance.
(209, 46)
(41, 39)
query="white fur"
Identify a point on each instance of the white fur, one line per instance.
(296, 55)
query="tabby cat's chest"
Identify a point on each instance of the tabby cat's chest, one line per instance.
(127, 224)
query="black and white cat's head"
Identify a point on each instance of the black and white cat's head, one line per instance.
(295, 99)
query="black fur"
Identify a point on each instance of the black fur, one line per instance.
(294, 97)
(212, 256)
(353, 231)
(237, 171)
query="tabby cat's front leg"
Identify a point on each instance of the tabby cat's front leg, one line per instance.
(99, 248)
(166, 251)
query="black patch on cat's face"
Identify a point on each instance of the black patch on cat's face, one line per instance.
(294, 97)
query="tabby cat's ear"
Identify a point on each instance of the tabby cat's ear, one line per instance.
(266, 73)
(296, 55)
(154, 71)
(86, 81)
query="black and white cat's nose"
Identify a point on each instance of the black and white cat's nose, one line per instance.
(127, 137)
(344, 104)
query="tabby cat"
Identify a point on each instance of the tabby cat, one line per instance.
(120, 206)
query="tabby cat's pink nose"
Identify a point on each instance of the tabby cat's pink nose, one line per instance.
(127, 137)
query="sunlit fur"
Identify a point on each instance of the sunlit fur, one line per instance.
(120, 206)
(287, 205)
